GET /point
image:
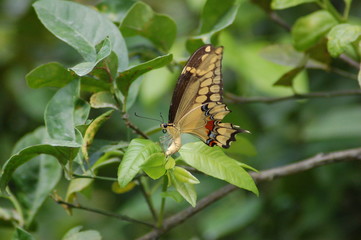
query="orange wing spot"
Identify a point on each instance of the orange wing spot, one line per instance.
(210, 125)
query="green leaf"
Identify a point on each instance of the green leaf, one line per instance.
(154, 165)
(213, 162)
(59, 113)
(103, 100)
(77, 185)
(183, 175)
(82, 28)
(215, 17)
(282, 4)
(76, 234)
(49, 75)
(185, 189)
(285, 54)
(125, 79)
(158, 28)
(172, 194)
(310, 29)
(92, 130)
(138, 152)
(61, 150)
(170, 163)
(286, 79)
(84, 68)
(22, 234)
(341, 36)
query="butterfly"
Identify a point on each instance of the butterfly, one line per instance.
(197, 104)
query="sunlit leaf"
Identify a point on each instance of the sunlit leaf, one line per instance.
(341, 36)
(76, 234)
(154, 165)
(183, 175)
(103, 100)
(158, 28)
(310, 29)
(282, 4)
(138, 152)
(287, 78)
(185, 189)
(213, 162)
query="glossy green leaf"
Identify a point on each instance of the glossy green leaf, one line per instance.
(285, 54)
(154, 165)
(172, 194)
(82, 28)
(59, 113)
(49, 75)
(158, 28)
(22, 234)
(92, 130)
(64, 151)
(286, 79)
(310, 29)
(341, 36)
(183, 175)
(77, 185)
(138, 152)
(215, 17)
(185, 189)
(76, 234)
(84, 68)
(103, 100)
(213, 162)
(170, 163)
(282, 4)
(125, 79)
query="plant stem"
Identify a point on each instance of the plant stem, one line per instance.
(162, 206)
(96, 177)
(148, 199)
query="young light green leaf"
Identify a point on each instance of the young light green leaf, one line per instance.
(154, 165)
(77, 185)
(183, 175)
(308, 30)
(213, 162)
(103, 100)
(170, 163)
(125, 79)
(92, 130)
(185, 189)
(59, 113)
(341, 36)
(82, 28)
(286, 79)
(22, 234)
(84, 68)
(158, 28)
(81, 112)
(76, 234)
(172, 194)
(138, 152)
(49, 75)
(282, 4)
(215, 17)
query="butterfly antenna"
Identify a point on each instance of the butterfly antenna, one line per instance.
(154, 119)
(161, 116)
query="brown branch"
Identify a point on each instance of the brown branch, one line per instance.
(237, 99)
(263, 176)
(132, 126)
(68, 205)
(350, 61)
(277, 19)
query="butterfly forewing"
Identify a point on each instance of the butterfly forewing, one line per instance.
(197, 104)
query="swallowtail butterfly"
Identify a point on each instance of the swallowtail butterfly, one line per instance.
(197, 104)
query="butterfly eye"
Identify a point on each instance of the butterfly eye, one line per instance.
(164, 131)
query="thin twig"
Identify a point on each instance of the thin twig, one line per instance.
(109, 214)
(350, 61)
(237, 99)
(277, 19)
(148, 200)
(132, 126)
(262, 176)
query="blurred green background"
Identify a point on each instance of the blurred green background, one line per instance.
(324, 203)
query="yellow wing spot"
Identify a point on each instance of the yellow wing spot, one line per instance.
(218, 64)
(219, 50)
(193, 70)
(215, 88)
(211, 105)
(206, 82)
(222, 139)
(211, 67)
(220, 115)
(222, 131)
(203, 91)
(217, 79)
(204, 56)
(201, 72)
(188, 69)
(208, 75)
(214, 59)
(201, 99)
(215, 97)
(217, 71)
(208, 49)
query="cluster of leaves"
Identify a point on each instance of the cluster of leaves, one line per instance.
(105, 74)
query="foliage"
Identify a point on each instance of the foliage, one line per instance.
(119, 50)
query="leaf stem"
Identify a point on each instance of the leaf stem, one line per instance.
(96, 177)
(162, 206)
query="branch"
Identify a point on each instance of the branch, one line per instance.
(237, 99)
(263, 176)
(132, 126)
(277, 19)
(67, 205)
